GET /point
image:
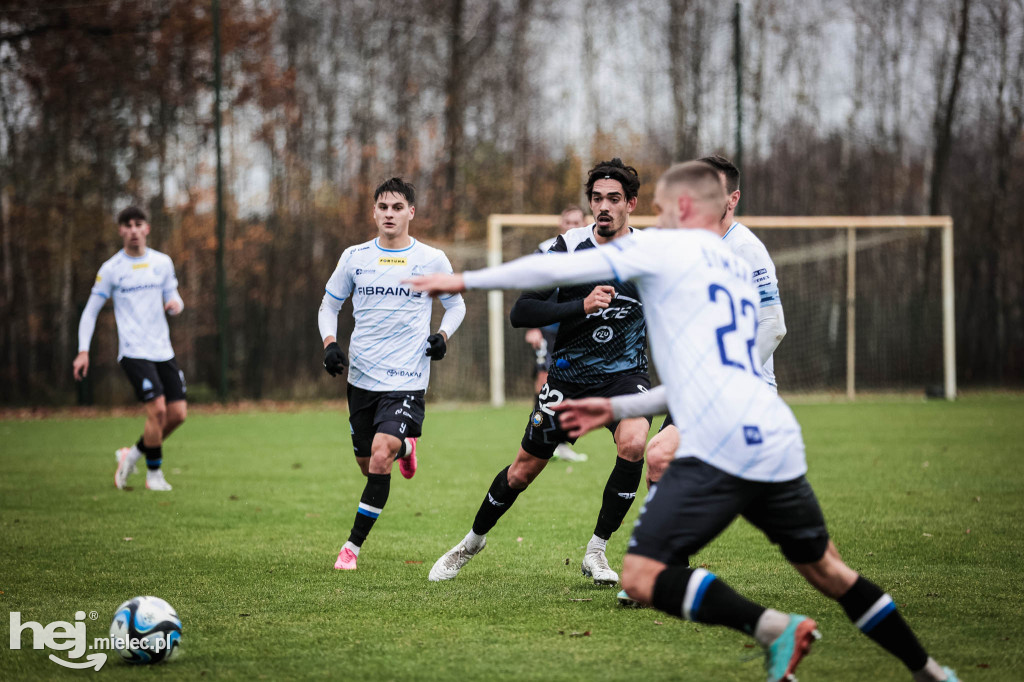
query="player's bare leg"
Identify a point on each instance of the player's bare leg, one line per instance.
(619, 493)
(660, 452)
(873, 612)
(504, 490)
(177, 411)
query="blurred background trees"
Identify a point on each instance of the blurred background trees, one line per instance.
(487, 106)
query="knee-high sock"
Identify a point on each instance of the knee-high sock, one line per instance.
(619, 492)
(875, 614)
(371, 504)
(695, 594)
(499, 498)
(154, 454)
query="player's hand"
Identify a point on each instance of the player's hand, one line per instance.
(335, 361)
(436, 346)
(80, 367)
(598, 299)
(535, 338)
(577, 417)
(437, 284)
(172, 307)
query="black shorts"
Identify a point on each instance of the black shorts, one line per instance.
(396, 413)
(694, 502)
(154, 379)
(543, 434)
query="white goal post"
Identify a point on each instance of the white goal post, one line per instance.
(846, 229)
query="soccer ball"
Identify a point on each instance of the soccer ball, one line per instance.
(145, 630)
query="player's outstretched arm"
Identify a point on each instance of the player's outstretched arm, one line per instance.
(578, 417)
(438, 283)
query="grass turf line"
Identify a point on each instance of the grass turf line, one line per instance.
(262, 503)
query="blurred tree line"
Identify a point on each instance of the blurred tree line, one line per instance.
(487, 106)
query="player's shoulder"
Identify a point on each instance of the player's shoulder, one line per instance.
(546, 245)
(363, 249)
(158, 256)
(574, 238)
(427, 251)
(744, 242)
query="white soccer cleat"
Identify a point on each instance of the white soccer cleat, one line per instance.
(155, 480)
(126, 460)
(595, 565)
(449, 565)
(565, 453)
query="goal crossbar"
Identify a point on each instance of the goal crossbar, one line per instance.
(496, 224)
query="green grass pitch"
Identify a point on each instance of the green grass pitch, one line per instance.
(923, 498)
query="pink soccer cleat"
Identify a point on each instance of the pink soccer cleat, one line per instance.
(346, 560)
(407, 464)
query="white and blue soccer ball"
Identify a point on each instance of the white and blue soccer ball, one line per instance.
(145, 630)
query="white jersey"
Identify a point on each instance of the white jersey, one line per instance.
(701, 311)
(139, 288)
(745, 243)
(387, 349)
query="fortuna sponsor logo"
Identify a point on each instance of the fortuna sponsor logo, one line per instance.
(403, 373)
(384, 291)
(392, 260)
(60, 636)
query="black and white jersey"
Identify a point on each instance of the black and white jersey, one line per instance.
(590, 348)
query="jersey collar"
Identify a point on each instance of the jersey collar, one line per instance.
(377, 244)
(144, 254)
(731, 228)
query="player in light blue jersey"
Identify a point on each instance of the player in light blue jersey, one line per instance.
(391, 348)
(741, 450)
(771, 323)
(144, 289)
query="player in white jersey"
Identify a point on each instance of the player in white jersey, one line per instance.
(741, 452)
(542, 339)
(141, 282)
(771, 327)
(391, 348)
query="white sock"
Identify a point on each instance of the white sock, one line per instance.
(354, 548)
(769, 626)
(931, 672)
(597, 544)
(473, 541)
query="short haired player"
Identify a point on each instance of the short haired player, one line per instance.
(742, 451)
(771, 323)
(144, 289)
(390, 350)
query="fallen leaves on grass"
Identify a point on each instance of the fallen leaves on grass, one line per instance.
(658, 622)
(127, 539)
(576, 634)
(927, 535)
(233, 498)
(297, 465)
(311, 515)
(413, 562)
(243, 615)
(588, 599)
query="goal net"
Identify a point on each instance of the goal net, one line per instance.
(868, 302)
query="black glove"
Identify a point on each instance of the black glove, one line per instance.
(436, 347)
(335, 361)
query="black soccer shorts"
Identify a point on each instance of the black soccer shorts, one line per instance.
(694, 502)
(396, 413)
(154, 379)
(543, 434)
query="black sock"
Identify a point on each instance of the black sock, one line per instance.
(695, 594)
(499, 498)
(154, 455)
(875, 614)
(371, 504)
(619, 492)
(402, 450)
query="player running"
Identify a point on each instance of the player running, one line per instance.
(771, 323)
(141, 282)
(600, 350)
(742, 451)
(391, 348)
